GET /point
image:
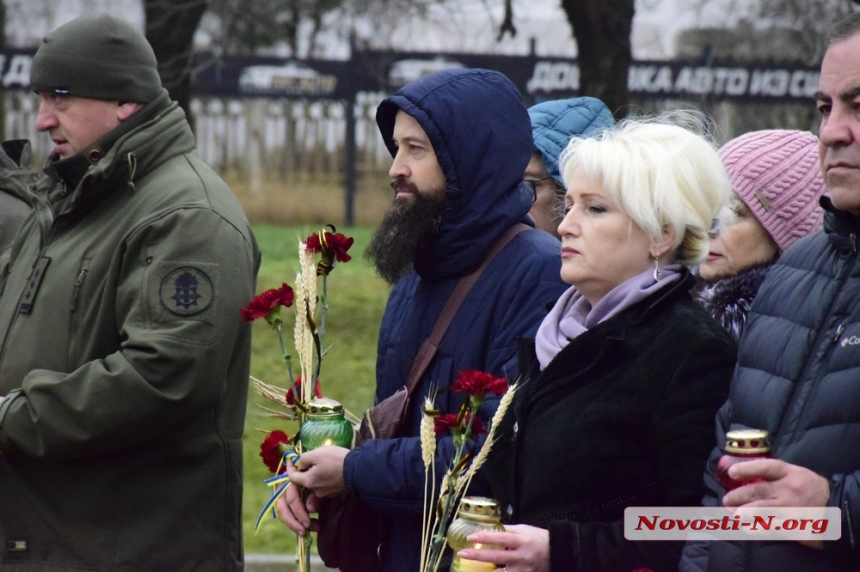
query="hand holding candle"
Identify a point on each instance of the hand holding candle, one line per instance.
(521, 548)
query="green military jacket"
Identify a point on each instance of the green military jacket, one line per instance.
(125, 363)
(15, 179)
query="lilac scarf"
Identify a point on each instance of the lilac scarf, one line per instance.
(573, 315)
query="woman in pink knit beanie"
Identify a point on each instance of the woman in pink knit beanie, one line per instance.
(777, 182)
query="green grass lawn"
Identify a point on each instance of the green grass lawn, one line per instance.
(356, 301)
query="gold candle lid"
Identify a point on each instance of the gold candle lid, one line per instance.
(480, 508)
(747, 441)
(324, 407)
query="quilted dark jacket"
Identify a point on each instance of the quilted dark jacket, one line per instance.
(797, 375)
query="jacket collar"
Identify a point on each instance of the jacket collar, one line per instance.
(728, 300)
(593, 342)
(842, 228)
(72, 170)
(123, 155)
(664, 296)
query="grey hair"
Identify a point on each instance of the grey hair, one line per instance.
(844, 29)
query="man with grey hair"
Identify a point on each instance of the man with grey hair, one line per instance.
(124, 362)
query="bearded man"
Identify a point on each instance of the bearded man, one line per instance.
(461, 140)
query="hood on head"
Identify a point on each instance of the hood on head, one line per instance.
(481, 134)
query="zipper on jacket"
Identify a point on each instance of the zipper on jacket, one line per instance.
(839, 330)
(75, 316)
(853, 237)
(78, 282)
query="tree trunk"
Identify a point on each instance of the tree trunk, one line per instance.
(170, 28)
(602, 30)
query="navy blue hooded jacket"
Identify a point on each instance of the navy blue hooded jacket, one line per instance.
(481, 135)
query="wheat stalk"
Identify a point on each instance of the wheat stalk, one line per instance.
(305, 304)
(269, 391)
(464, 482)
(278, 414)
(307, 261)
(428, 435)
(428, 453)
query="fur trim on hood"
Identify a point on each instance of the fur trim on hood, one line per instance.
(729, 300)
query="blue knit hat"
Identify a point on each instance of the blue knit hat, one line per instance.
(555, 123)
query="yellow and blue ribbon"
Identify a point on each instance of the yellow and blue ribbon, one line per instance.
(279, 483)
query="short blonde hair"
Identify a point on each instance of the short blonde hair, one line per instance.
(661, 171)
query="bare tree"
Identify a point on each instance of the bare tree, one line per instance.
(602, 30)
(810, 18)
(246, 27)
(170, 28)
(294, 26)
(782, 31)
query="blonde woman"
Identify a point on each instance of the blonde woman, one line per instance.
(628, 371)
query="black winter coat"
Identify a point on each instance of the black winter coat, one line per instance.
(623, 416)
(797, 377)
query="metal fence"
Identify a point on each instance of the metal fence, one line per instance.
(252, 136)
(261, 142)
(281, 154)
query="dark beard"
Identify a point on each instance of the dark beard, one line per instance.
(405, 229)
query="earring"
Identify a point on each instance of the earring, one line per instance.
(656, 270)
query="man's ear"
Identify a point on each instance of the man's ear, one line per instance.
(126, 109)
(665, 244)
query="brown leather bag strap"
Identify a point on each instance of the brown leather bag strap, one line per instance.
(431, 345)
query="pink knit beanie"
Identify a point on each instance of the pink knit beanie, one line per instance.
(776, 174)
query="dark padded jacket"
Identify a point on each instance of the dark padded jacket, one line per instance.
(797, 375)
(482, 138)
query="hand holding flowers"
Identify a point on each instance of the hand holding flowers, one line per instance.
(464, 427)
(304, 395)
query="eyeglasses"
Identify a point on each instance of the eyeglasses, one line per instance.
(715, 228)
(557, 189)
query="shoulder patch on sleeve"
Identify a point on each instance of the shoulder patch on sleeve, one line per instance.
(186, 290)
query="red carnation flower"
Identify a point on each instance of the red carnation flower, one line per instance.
(273, 448)
(478, 384)
(478, 425)
(298, 385)
(264, 304)
(336, 245)
(444, 422)
(448, 421)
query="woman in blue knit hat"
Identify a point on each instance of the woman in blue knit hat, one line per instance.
(554, 124)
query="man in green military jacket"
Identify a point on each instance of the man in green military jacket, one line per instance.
(123, 360)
